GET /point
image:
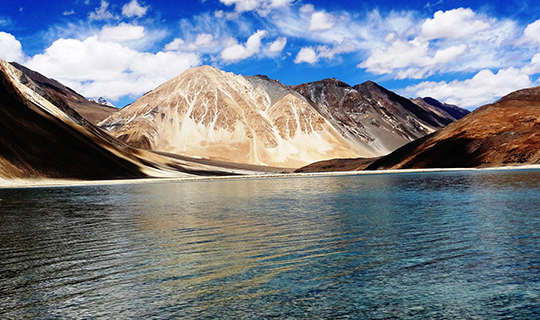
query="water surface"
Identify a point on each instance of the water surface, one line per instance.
(394, 246)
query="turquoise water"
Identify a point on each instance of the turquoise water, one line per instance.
(461, 245)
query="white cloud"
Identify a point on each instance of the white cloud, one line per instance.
(533, 67)
(456, 23)
(239, 52)
(321, 21)
(400, 54)
(134, 9)
(5, 22)
(263, 7)
(102, 13)
(203, 40)
(458, 40)
(68, 13)
(201, 43)
(278, 45)
(176, 44)
(483, 88)
(307, 8)
(312, 55)
(10, 48)
(327, 52)
(102, 68)
(307, 55)
(121, 33)
(532, 33)
(444, 56)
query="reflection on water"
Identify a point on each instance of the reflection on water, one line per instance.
(408, 246)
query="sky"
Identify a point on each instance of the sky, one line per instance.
(467, 53)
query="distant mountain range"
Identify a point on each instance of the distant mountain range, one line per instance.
(505, 133)
(210, 122)
(213, 114)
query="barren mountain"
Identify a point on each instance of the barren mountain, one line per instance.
(442, 109)
(504, 133)
(371, 115)
(212, 114)
(42, 137)
(57, 93)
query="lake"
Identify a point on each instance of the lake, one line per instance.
(448, 245)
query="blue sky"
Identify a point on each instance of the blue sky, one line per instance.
(463, 52)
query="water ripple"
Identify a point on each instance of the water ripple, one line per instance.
(439, 246)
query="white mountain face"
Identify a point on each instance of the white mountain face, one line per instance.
(209, 113)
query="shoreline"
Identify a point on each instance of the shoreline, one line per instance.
(53, 183)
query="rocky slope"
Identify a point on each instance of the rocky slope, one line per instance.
(504, 133)
(57, 93)
(212, 114)
(446, 110)
(209, 113)
(337, 165)
(372, 115)
(45, 138)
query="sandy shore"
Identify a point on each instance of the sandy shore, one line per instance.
(27, 183)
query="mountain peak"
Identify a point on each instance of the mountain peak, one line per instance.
(369, 84)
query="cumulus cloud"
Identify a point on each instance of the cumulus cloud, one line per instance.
(457, 23)
(307, 55)
(121, 33)
(532, 33)
(133, 9)
(533, 67)
(458, 40)
(263, 7)
(239, 52)
(483, 88)
(95, 67)
(102, 13)
(278, 45)
(203, 40)
(412, 55)
(176, 44)
(321, 21)
(10, 48)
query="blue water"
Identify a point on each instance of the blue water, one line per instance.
(460, 245)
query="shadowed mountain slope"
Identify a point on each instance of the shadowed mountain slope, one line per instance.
(42, 137)
(37, 139)
(505, 133)
(57, 93)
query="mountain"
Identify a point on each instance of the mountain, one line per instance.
(54, 91)
(372, 115)
(212, 114)
(102, 101)
(505, 133)
(335, 165)
(41, 136)
(449, 111)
